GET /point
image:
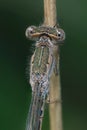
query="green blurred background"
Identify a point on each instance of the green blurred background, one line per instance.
(15, 92)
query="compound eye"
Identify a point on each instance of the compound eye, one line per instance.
(30, 31)
(60, 34)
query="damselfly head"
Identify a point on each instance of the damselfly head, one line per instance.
(54, 33)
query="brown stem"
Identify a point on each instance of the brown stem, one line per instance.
(55, 88)
(50, 12)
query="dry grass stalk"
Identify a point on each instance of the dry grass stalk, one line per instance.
(55, 88)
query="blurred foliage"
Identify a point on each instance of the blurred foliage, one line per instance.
(15, 92)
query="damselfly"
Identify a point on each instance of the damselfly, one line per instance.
(42, 65)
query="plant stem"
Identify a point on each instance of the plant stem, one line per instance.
(50, 12)
(55, 88)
